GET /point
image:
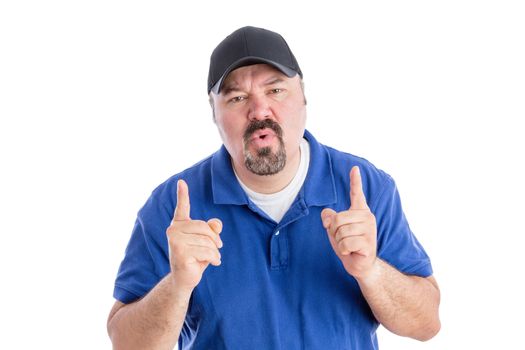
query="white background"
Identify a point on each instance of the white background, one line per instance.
(101, 101)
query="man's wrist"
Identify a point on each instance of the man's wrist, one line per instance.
(180, 293)
(373, 275)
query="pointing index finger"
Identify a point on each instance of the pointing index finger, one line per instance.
(357, 196)
(182, 210)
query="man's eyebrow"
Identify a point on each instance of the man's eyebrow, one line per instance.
(274, 81)
(227, 88)
(234, 87)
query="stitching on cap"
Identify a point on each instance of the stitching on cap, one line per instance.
(245, 42)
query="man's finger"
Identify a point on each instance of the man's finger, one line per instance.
(352, 230)
(205, 254)
(199, 227)
(353, 245)
(216, 226)
(182, 210)
(357, 196)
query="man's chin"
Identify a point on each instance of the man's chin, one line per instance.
(265, 164)
(264, 172)
(261, 151)
(265, 152)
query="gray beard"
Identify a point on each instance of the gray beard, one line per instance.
(265, 162)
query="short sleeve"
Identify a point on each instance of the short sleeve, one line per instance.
(396, 243)
(146, 259)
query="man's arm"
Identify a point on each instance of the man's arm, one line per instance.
(155, 321)
(406, 305)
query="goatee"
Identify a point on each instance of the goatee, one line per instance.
(264, 162)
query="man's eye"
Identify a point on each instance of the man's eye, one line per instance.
(276, 91)
(237, 99)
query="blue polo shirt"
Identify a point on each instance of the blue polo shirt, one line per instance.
(280, 285)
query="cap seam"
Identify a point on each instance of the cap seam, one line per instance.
(245, 42)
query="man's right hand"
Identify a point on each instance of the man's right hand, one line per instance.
(193, 244)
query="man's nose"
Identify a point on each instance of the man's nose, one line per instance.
(259, 108)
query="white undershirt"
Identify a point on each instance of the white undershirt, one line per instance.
(277, 204)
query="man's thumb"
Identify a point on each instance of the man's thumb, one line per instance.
(326, 217)
(216, 225)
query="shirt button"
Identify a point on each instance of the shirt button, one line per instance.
(277, 233)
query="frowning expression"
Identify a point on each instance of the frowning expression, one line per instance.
(261, 115)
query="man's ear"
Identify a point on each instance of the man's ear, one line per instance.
(212, 105)
(302, 88)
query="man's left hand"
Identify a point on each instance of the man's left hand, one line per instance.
(353, 232)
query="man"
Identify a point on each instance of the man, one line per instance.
(287, 244)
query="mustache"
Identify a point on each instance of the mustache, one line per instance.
(262, 124)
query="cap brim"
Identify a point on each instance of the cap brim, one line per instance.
(247, 61)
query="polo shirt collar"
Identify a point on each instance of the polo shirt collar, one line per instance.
(225, 186)
(318, 188)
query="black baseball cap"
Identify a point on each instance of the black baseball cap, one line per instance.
(247, 46)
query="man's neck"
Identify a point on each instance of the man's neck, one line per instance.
(270, 183)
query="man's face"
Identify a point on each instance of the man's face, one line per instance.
(261, 116)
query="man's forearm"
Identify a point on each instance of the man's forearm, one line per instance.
(405, 305)
(153, 322)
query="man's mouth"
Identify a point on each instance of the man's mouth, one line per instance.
(263, 138)
(262, 134)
